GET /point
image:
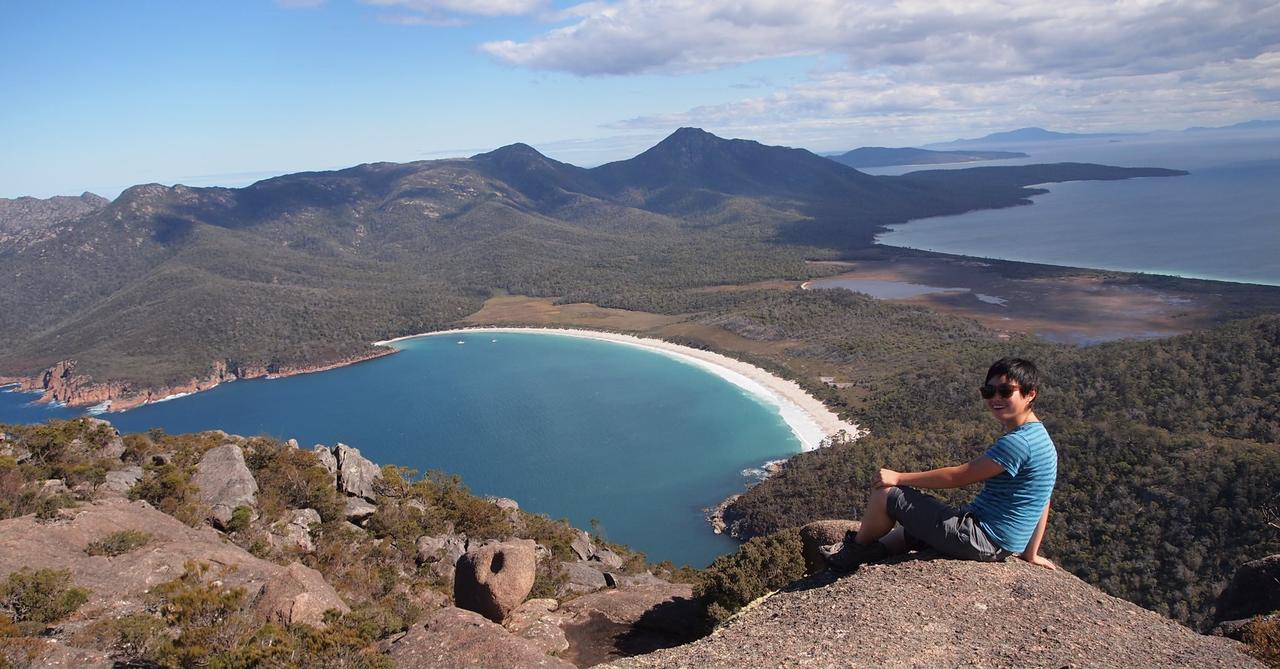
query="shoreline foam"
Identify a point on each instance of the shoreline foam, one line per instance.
(809, 419)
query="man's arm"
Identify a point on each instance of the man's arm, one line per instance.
(978, 469)
(1032, 552)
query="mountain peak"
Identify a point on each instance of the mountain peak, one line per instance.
(519, 150)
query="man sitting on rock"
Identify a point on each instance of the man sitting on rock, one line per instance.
(1010, 513)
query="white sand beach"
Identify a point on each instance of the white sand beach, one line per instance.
(809, 419)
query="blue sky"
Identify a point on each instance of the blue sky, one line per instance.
(103, 95)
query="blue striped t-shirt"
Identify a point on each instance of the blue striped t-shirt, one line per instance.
(1010, 504)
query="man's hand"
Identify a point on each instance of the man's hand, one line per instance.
(887, 478)
(1040, 560)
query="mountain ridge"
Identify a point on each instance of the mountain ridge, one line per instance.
(301, 271)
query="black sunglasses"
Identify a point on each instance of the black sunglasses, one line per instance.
(1006, 390)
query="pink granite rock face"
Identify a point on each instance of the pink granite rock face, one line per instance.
(298, 595)
(493, 580)
(461, 639)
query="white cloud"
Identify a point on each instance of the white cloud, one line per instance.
(974, 39)
(1077, 64)
(431, 10)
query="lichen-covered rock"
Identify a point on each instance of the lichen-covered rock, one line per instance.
(458, 639)
(357, 510)
(581, 577)
(823, 533)
(494, 579)
(297, 595)
(114, 448)
(582, 546)
(53, 487)
(324, 456)
(118, 482)
(294, 532)
(356, 474)
(224, 483)
(441, 553)
(607, 558)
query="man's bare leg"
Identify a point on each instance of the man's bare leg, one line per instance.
(876, 522)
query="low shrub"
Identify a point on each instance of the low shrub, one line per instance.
(35, 598)
(759, 566)
(118, 543)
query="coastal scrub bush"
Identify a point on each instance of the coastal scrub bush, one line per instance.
(35, 598)
(118, 543)
(240, 519)
(1263, 637)
(290, 478)
(759, 566)
(168, 487)
(209, 625)
(17, 494)
(475, 517)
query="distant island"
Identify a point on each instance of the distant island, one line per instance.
(879, 156)
(1028, 135)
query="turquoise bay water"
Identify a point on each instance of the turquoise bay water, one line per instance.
(1220, 222)
(570, 427)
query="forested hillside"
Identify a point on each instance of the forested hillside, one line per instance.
(306, 269)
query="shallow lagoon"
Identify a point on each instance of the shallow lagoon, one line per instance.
(571, 427)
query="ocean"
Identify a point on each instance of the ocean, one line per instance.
(570, 427)
(1220, 222)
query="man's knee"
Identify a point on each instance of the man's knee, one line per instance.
(881, 498)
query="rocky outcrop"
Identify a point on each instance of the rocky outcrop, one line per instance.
(108, 445)
(357, 510)
(25, 217)
(611, 624)
(916, 611)
(587, 551)
(581, 577)
(118, 585)
(224, 483)
(1254, 591)
(356, 474)
(440, 553)
(329, 463)
(118, 482)
(460, 639)
(297, 595)
(823, 533)
(494, 579)
(539, 622)
(61, 382)
(294, 532)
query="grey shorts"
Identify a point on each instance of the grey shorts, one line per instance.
(930, 523)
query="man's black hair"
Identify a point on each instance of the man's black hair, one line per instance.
(1022, 371)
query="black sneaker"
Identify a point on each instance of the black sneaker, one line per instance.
(848, 555)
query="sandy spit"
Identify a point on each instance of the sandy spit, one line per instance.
(809, 419)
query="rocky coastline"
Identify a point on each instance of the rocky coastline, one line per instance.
(62, 384)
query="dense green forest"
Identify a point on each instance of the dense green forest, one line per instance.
(1168, 456)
